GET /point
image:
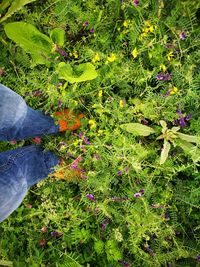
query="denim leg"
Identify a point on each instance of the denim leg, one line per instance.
(18, 121)
(20, 169)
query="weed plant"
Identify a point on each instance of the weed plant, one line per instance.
(137, 203)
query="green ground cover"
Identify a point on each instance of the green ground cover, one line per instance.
(132, 67)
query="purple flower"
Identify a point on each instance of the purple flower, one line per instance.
(56, 234)
(182, 122)
(123, 263)
(119, 173)
(177, 51)
(84, 138)
(86, 141)
(164, 77)
(179, 112)
(138, 194)
(103, 227)
(86, 23)
(187, 117)
(60, 103)
(169, 45)
(80, 135)
(135, 2)
(74, 166)
(96, 156)
(166, 215)
(141, 191)
(182, 35)
(167, 93)
(75, 163)
(92, 30)
(91, 197)
(105, 222)
(198, 258)
(61, 52)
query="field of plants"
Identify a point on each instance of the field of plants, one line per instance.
(132, 68)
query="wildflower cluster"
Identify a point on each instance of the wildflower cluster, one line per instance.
(132, 68)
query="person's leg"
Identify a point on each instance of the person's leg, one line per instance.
(18, 121)
(20, 169)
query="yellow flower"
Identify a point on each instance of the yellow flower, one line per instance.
(112, 57)
(122, 103)
(92, 123)
(76, 143)
(170, 56)
(134, 53)
(151, 28)
(163, 67)
(126, 23)
(96, 58)
(100, 132)
(75, 54)
(145, 30)
(142, 36)
(147, 23)
(173, 91)
(100, 93)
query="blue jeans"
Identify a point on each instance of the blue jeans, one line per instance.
(25, 166)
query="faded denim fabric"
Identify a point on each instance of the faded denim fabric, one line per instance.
(20, 169)
(18, 121)
(25, 166)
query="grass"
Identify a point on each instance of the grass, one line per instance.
(130, 210)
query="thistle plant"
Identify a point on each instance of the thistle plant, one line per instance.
(174, 137)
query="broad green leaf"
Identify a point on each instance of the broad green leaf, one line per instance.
(190, 149)
(164, 126)
(137, 129)
(165, 152)
(188, 138)
(80, 73)
(58, 36)
(175, 129)
(15, 6)
(30, 39)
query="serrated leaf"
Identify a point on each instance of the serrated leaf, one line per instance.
(165, 152)
(137, 129)
(58, 36)
(80, 73)
(188, 138)
(15, 6)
